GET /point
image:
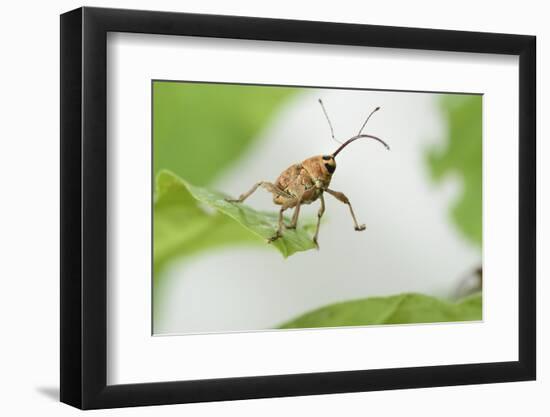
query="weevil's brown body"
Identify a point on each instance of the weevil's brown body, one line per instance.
(305, 183)
(301, 184)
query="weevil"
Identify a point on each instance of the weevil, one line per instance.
(306, 182)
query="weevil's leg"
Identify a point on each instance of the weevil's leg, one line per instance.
(319, 215)
(341, 196)
(294, 220)
(279, 232)
(272, 188)
(244, 196)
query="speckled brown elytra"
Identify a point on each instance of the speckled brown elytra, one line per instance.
(307, 181)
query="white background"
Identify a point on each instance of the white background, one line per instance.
(29, 213)
(134, 356)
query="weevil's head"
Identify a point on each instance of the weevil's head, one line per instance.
(328, 163)
(320, 168)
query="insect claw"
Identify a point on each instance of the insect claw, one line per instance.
(316, 243)
(361, 228)
(274, 237)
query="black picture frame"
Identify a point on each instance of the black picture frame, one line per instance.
(84, 207)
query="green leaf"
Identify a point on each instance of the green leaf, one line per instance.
(200, 129)
(462, 156)
(188, 219)
(182, 228)
(397, 309)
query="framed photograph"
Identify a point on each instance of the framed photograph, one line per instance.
(259, 208)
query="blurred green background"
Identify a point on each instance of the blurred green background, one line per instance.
(200, 130)
(462, 157)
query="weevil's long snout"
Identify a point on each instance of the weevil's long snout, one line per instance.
(347, 142)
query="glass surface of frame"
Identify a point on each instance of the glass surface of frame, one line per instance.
(89, 178)
(224, 264)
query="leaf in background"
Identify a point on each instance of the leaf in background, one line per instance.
(200, 129)
(188, 219)
(397, 309)
(462, 156)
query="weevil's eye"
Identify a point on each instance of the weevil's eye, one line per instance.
(330, 168)
(327, 157)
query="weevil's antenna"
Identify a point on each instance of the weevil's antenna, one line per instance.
(328, 120)
(364, 124)
(347, 142)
